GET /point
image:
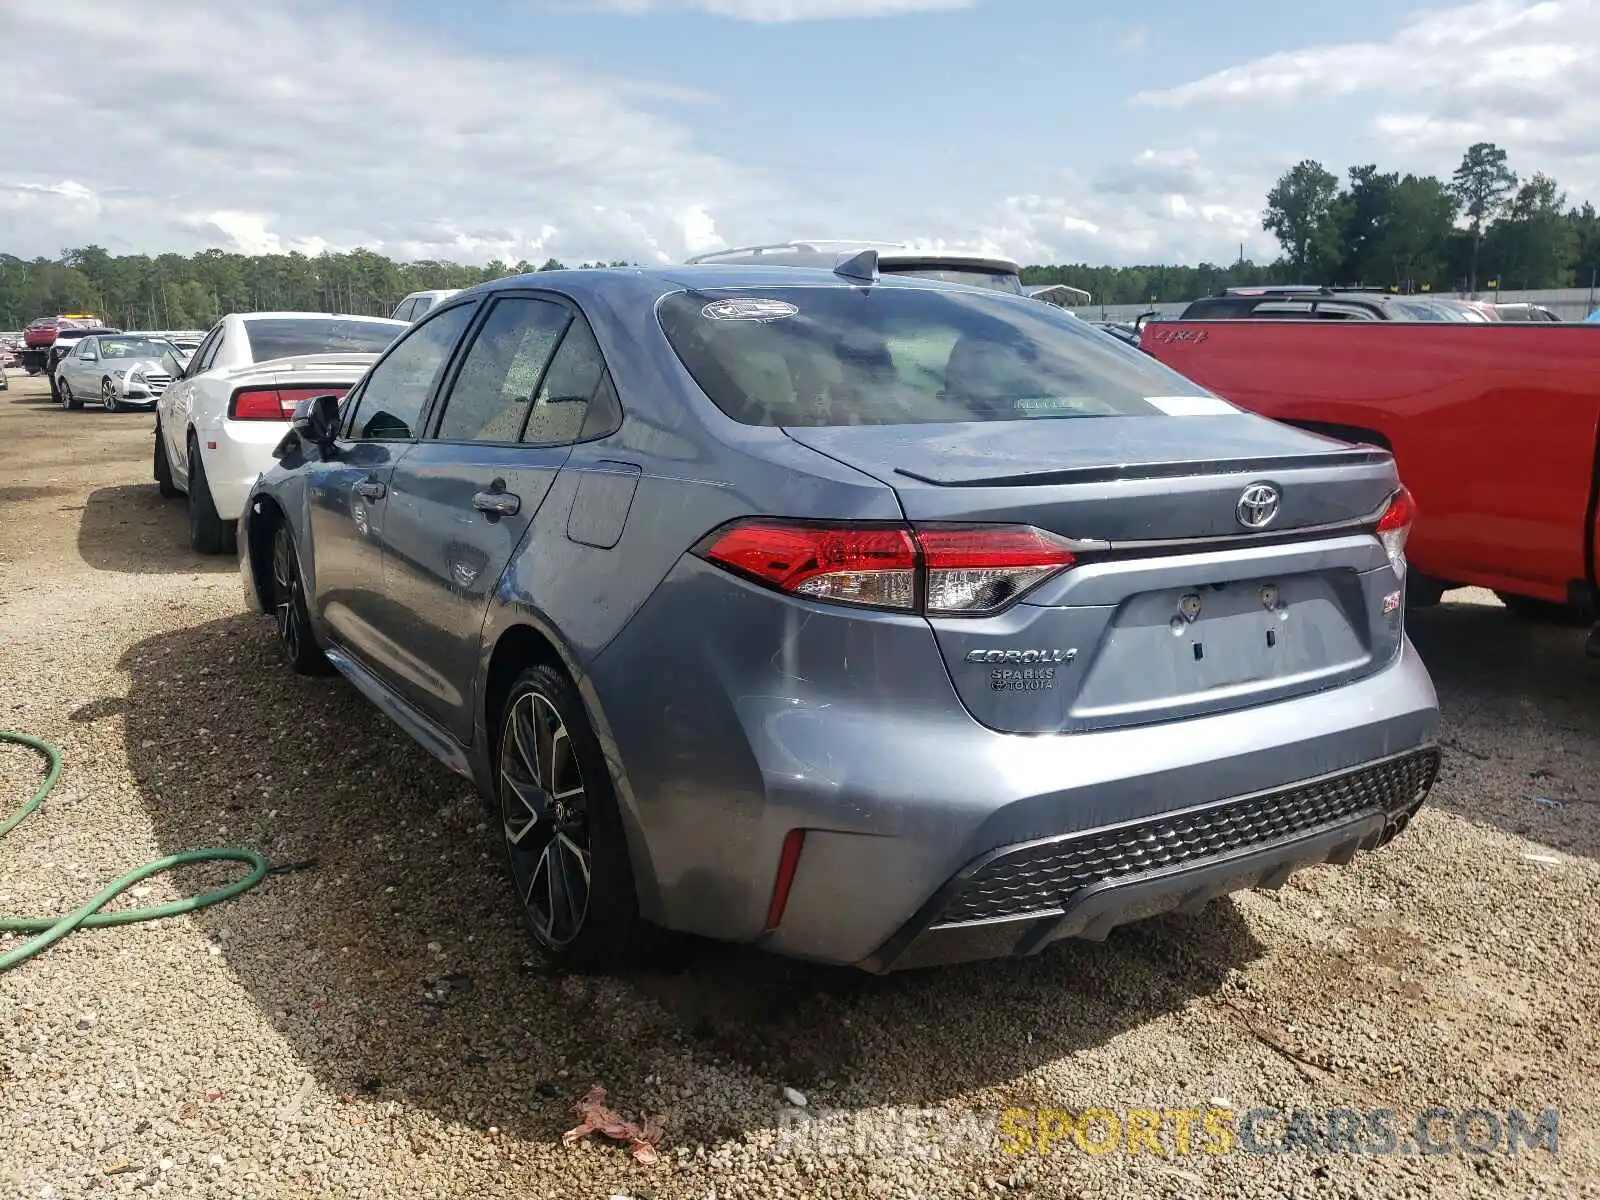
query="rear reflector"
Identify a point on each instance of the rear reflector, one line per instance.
(1394, 527)
(788, 863)
(274, 404)
(939, 570)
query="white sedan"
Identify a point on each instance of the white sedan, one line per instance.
(116, 370)
(217, 424)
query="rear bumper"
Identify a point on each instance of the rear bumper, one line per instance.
(760, 716)
(1016, 900)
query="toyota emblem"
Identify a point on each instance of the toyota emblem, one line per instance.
(1258, 505)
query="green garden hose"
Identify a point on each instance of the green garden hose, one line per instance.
(89, 916)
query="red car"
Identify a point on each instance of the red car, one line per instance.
(1495, 429)
(40, 335)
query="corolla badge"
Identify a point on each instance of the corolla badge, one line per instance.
(1258, 505)
(1019, 657)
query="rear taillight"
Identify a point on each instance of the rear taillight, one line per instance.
(1394, 527)
(943, 571)
(974, 571)
(273, 404)
(868, 565)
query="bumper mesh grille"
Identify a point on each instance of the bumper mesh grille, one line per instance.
(1040, 878)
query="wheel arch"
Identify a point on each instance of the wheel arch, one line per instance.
(259, 530)
(519, 646)
(525, 641)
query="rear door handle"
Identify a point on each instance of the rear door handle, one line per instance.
(371, 489)
(497, 504)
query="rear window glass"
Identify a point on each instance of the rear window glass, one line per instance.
(134, 348)
(275, 337)
(1000, 281)
(821, 356)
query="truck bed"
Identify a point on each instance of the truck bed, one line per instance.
(1495, 429)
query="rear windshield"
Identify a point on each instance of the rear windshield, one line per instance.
(904, 356)
(285, 337)
(1000, 281)
(132, 347)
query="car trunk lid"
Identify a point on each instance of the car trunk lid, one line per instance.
(1176, 607)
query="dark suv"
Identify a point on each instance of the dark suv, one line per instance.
(1306, 303)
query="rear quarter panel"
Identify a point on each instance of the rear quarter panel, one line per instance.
(1494, 427)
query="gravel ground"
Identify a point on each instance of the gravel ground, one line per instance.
(377, 1024)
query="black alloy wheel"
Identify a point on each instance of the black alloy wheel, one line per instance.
(544, 811)
(295, 636)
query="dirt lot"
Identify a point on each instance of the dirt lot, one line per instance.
(377, 1024)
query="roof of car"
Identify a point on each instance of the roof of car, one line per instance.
(662, 280)
(822, 249)
(1294, 292)
(316, 316)
(1250, 299)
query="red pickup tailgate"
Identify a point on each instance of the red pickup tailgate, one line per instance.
(1495, 428)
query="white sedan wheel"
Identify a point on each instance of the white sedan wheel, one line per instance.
(108, 395)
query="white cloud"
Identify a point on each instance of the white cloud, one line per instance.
(1521, 73)
(700, 231)
(278, 126)
(784, 11)
(261, 127)
(1159, 206)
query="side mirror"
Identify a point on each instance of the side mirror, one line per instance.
(317, 421)
(91, 358)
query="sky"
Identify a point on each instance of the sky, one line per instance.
(647, 130)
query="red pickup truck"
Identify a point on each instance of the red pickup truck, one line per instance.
(40, 336)
(1495, 429)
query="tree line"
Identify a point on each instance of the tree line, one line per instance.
(175, 291)
(1484, 228)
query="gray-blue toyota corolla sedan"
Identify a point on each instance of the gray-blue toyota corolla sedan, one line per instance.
(870, 620)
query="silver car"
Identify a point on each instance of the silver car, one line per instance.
(117, 370)
(868, 619)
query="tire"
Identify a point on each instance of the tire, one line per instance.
(1543, 612)
(543, 708)
(163, 468)
(108, 396)
(208, 533)
(296, 638)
